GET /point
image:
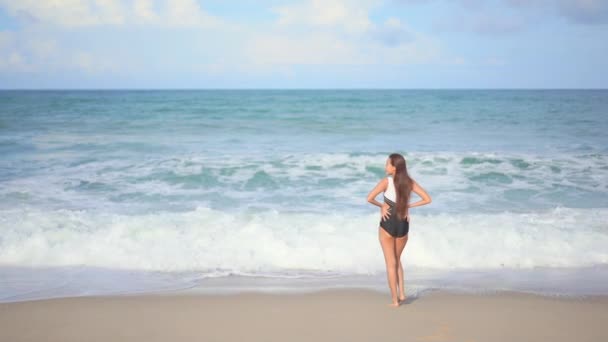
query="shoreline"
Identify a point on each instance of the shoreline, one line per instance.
(330, 314)
(31, 283)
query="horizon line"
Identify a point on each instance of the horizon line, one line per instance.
(268, 88)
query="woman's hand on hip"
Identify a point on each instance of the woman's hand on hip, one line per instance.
(384, 211)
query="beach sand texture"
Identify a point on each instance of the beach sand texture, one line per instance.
(328, 315)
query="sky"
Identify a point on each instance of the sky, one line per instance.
(211, 44)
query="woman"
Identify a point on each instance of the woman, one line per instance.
(395, 221)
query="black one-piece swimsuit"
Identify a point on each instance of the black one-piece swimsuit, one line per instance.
(393, 225)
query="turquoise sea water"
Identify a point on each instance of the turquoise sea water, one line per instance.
(121, 191)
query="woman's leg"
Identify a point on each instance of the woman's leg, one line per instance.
(388, 248)
(399, 246)
(400, 284)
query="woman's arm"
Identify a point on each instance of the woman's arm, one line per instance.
(426, 199)
(380, 187)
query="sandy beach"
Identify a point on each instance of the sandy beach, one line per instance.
(328, 315)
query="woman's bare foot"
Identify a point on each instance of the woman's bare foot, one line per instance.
(393, 304)
(402, 298)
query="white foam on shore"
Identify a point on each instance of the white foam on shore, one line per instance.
(216, 243)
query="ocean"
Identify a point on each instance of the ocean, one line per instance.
(141, 191)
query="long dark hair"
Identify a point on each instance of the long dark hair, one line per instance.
(403, 184)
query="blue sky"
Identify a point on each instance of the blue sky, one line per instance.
(73, 44)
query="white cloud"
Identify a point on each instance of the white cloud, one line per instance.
(68, 13)
(393, 32)
(313, 48)
(37, 52)
(113, 12)
(143, 10)
(337, 32)
(188, 13)
(14, 61)
(422, 49)
(86, 13)
(331, 49)
(11, 58)
(351, 16)
(314, 33)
